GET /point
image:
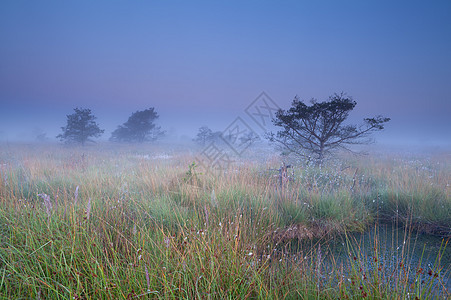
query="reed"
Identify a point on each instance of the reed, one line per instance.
(100, 223)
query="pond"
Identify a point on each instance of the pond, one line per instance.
(387, 253)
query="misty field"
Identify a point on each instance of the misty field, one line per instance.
(128, 222)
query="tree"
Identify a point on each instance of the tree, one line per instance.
(249, 138)
(319, 128)
(204, 136)
(39, 135)
(80, 127)
(140, 127)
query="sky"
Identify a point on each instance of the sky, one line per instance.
(203, 62)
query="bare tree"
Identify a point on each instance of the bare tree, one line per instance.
(319, 128)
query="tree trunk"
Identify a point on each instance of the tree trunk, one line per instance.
(321, 152)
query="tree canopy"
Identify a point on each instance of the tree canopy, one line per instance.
(80, 127)
(320, 129)
(205, 135)
(140, 127)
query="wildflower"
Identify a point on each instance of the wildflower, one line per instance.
(76, 195)
(166, 241)
(147, 278)
(213, 199)
(47, 203)
(88, 209)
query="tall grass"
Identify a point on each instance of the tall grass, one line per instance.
(114, 224)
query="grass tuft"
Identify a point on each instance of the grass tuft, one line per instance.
(98, 223)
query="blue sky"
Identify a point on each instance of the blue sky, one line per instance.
(202, 62)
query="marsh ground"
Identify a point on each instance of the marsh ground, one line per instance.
(144, 221)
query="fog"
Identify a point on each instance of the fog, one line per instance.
(28, 124)
(204, 64)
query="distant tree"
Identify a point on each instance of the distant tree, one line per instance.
(80, 127)
(217, 137)
(249, 138)
(140, 127)
(319, 128)
(204, 136)
(39, 135)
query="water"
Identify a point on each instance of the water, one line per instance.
(387, 250)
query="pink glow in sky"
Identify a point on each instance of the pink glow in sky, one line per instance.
(202, 62)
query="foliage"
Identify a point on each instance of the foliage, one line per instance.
(39, 135)
(140, 127)
(319, 128)
(192, 175)
(112, 228)
(206, 135)
(249, 138)
(80, 127)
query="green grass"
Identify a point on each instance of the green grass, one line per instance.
(148, 228)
